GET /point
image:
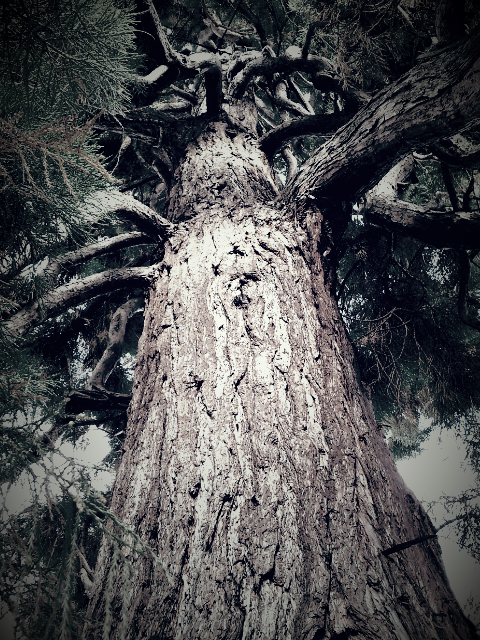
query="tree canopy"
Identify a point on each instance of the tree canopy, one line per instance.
(98, 102)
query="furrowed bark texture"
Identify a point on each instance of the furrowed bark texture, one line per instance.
(253, 464)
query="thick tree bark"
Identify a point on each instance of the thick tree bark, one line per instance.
(253, 463)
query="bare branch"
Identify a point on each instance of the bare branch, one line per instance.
(449, 152)
(410, 543)
(103, 247)
(73, 258)
(308, 38)
(153, 76)
(322, 125)
(137, 183)
(74, 293)
(96, 400)
(290, 159)
(171, 56)
(420, 108)
(265, 65)
(283, 100)
(301, 96)
(458, 230)
(184, 94)
(127, 207)
(262, 107)
(114, 349)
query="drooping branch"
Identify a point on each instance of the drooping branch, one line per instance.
(322, 125)
(284, 101)
(440, 229)
(463, 295)
(72, 294)
(74, 258)
(127, 207)
(267, 66)
(114, 348)
(449, 152)
(435, 100)
(308, 38)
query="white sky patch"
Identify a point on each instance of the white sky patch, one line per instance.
(441, 469)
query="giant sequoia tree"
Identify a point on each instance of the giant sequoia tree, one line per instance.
(253, 463)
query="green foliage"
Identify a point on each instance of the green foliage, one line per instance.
(399, 302)
(65, 58)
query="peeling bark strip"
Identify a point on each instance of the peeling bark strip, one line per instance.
(252, 462)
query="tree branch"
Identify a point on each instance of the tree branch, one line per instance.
(291, 161)
(185, 94)
(452, 156)
(213, 88)
(137, 183)
(322, 125)
(457, 230)
(283, 100)
(301, 96)
(73, 293)
(96, 400)
(114, 349)
(450, 21)
(308, 38)
(127, 207)
(410, 543)
(170, 55)
(267, 66)
(423, 106)
(101, 248)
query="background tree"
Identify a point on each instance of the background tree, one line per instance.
(252, 463)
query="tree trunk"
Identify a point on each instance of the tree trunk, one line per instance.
(253, 463)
